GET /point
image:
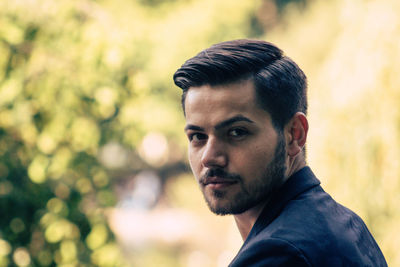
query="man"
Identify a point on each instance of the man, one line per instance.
(245, 106)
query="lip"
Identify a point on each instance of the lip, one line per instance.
(218, 182)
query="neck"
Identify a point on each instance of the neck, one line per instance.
(246, 220)
(294, 164)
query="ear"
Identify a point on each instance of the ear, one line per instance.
(296, 134)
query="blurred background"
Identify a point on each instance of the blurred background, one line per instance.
(93, 168)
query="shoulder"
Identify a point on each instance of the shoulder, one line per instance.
(325, 232)
(270, 252)
(311, 230)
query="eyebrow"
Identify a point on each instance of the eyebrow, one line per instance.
(220, 125)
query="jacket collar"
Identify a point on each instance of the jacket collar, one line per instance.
(301, 181)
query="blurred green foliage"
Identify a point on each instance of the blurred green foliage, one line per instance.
(80, 79)
(74, 77)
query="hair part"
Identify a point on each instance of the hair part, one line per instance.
(280, 85)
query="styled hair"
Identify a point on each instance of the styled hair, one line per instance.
(280, 85)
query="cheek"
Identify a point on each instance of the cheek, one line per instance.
(256, 158)
(194, 161)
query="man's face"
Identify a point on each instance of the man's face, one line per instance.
(236, 155)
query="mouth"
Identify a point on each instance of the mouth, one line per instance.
(218, 182)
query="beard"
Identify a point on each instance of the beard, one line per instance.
(252, 193)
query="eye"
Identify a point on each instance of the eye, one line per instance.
(238, 133)
(197, 137)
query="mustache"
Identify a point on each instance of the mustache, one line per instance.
(218, 172)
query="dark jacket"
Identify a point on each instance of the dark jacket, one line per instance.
(303, 226)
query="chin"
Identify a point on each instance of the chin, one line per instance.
(227, 207)
(221, 210)
(217, 205)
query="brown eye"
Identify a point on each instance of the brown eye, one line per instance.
(197, 137)
(238, 133)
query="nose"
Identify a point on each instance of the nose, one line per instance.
(214, 154)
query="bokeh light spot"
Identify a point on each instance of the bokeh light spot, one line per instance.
(46, 143)
(21, 257)
(5, 188)
(100, 178)
(84, 185)
(68, 251)
(44, 257)
(106, 197)
(5, 248)
(37, 169)
(17, 225)
(97, 237)
(113, 155)
(107, 255)
(85, 135)
(55, 231)
(62, 191)
(154, 149)
(57, 206)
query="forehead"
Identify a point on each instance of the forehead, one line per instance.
(238, 94)
(211, 104)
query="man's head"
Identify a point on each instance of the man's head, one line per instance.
(244, 105)
(281, 86)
